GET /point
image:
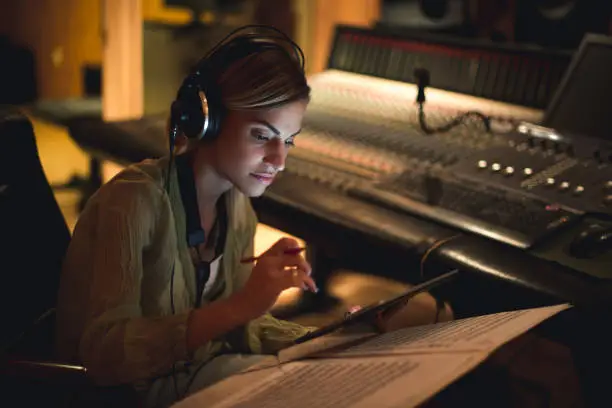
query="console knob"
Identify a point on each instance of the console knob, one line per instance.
(482, 164)
(527, 171)
(509, 171)
(607, 200)
(608, 185)
(496, 167)
(550, 181)
(578, 190)
(564, 185)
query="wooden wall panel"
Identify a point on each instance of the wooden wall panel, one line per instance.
(155, 10)
(316, 20)
(122, 89)
(64, 35)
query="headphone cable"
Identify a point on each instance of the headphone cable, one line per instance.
(172, 135)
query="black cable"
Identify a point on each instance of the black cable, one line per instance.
(453, 123)
(172, 139)
(422, 80)
(173, 133)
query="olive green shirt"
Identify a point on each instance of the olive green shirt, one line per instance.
(114, 312)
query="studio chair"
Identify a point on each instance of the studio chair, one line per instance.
(33, 240)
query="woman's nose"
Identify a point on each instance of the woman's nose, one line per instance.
(276, 152)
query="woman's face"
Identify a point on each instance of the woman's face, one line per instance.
(253, 145)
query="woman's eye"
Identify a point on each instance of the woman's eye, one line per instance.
(260, 136)
(290, 142)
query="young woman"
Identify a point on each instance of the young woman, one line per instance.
(146, 299)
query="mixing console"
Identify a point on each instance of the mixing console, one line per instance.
(361, 136)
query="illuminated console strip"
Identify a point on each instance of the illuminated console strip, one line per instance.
(386, 99)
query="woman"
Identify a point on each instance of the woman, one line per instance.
(133, 305)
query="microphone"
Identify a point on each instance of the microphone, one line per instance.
(421, 76)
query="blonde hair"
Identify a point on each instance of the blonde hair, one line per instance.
(262, 80)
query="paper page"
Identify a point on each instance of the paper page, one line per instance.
(390, 382)
(399, 369)
(482, 333)
(247, 381)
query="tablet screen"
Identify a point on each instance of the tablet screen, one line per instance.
(369, 313)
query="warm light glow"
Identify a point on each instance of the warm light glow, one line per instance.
(122, 80)
(110, 170)
(379, 92)
(265, 237)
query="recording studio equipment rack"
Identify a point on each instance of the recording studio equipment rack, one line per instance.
(519, 75)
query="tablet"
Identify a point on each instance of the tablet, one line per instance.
(369, 313)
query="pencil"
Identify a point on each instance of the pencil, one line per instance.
(290, 251)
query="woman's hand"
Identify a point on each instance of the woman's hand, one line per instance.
(405, 315)
(409, 315)
(274, 272)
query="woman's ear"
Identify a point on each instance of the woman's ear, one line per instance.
(181, 144)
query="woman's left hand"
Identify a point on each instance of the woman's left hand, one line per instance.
(404, 316)
(413, 314)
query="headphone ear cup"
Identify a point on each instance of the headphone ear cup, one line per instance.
(189, 116)
(215, 116)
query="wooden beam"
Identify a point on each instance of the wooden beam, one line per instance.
(122, 72)
(326, 15)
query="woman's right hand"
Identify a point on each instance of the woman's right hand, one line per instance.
(274, 272)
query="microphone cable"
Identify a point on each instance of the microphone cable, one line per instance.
(422, 79)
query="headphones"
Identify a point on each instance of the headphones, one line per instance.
(198, 109)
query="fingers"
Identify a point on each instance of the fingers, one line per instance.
(297, 261)
(291, 261)
(291, 270)
(301, 279)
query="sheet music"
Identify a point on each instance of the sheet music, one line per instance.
(482, 333)
(398, 369)
(385, 382)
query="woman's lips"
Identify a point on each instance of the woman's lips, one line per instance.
(264, 178)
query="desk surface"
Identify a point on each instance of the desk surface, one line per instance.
(63, 111)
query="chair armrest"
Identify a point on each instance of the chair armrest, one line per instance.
(48, 371)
